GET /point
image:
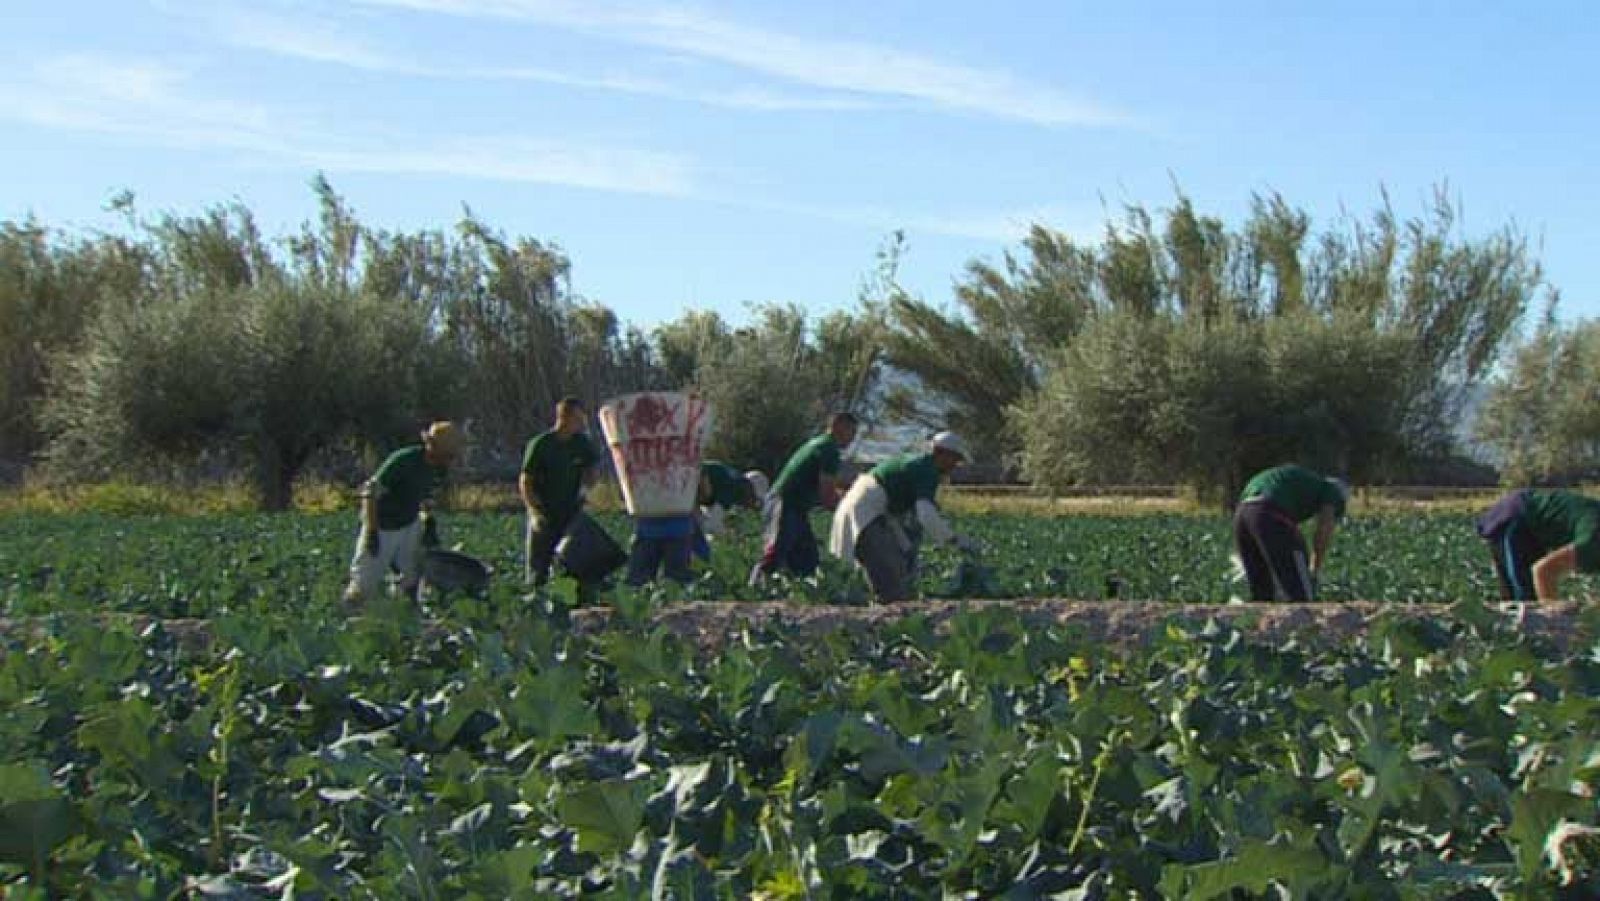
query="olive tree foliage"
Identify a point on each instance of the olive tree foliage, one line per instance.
(1541, 416)
(772, 383)
(196, 337)
(506, 306)
(50, 289)
(1195, 352)
(234, 351)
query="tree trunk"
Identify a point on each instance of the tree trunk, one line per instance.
(276, 470)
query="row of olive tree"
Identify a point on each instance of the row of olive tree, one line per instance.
(195, 340)
(50, 288)
(1173, 348)
(1541, 417)
(773, 382)
(228, 349)
(1178, 349)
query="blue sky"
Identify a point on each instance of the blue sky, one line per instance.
(711, 155)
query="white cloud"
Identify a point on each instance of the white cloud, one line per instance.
(301, 37)
(137, 99)
(520, 159)
(318, 40)
(849, 66)
(154, 103)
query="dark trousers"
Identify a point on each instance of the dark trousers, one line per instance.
(650, 555)
(543, 536)
(790, 543)
(888, 563)
(1273, 552)
(1512, 548)
(541, 553)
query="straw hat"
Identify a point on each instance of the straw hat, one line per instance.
(445, 438)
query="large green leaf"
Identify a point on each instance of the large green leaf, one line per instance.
(551, 705)
(1255, 868)
(30, 830)
(607, 815)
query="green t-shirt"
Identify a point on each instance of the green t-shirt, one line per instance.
(797, 483)
(729, 488)
(402, 483)
(556, 465)
(1296, 490)
(1558, 518)
(907, 479)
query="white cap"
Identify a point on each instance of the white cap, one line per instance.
(758, 483)
(1343, 486)
(950, 441)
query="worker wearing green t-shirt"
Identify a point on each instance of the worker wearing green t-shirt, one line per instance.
(394, 505)
(1536, 537)
(808, 480)
(886, 513)
(723, 489)
(557, 467)
(1266, 530)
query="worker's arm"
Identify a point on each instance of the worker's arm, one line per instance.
(713, 519)
(525, 488)
(369, 517)
(1327, 522)
(1547, 572)
(591, 471)
(369, 509)
(828, 491)
(933, 523)
(443, 498)
(938, 528)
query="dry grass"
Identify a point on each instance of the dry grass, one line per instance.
(129, 498)
(121, 498)
(1011, 501)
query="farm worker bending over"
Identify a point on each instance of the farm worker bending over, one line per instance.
(882, 519)
(661, 542)
(392, 510)
(557, 467)
(809, 478)
(1266, 529)
(1536, 537)
(670, 543)
(723, 488)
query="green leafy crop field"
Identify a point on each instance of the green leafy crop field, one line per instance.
(196, 566)
(483, 748)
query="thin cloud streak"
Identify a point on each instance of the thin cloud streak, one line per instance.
(151, 103)
(851, 66)
(323, 42)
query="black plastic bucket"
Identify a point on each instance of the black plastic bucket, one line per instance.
(444, 570)
(587, 553)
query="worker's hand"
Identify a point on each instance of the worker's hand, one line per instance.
(967, 544)
(369, 540)
(430, 530)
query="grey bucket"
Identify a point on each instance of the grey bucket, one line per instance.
(444, 570)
